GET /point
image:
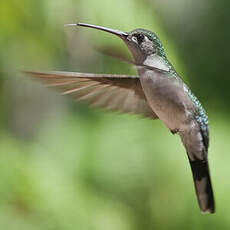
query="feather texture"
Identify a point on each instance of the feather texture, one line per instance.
(121, 93)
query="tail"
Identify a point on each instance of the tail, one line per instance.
(203, 186)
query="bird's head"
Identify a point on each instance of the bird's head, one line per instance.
(142, 43)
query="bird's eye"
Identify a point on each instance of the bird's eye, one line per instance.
(138, 38)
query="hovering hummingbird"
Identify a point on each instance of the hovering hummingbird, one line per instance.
(157, 92)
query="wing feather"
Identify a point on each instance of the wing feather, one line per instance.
(121, 93)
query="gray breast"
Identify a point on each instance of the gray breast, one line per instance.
(167, 98)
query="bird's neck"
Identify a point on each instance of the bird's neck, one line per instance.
(156, 61)
(161, 63)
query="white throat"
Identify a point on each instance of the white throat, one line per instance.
(156, 61)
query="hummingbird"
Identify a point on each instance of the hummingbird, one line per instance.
(157, 92)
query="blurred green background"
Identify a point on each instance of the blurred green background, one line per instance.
(64, 166)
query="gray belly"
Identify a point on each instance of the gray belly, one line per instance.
(167, 99)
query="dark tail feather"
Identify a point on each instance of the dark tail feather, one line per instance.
(203, 186)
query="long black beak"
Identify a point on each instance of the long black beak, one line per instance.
(119, 33)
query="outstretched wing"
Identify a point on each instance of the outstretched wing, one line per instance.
(121, 93)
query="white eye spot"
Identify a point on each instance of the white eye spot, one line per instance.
(134, 39)
(146, 39)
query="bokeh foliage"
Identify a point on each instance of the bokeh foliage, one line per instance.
(65, 166)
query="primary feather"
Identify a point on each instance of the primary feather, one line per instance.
(121, 93)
